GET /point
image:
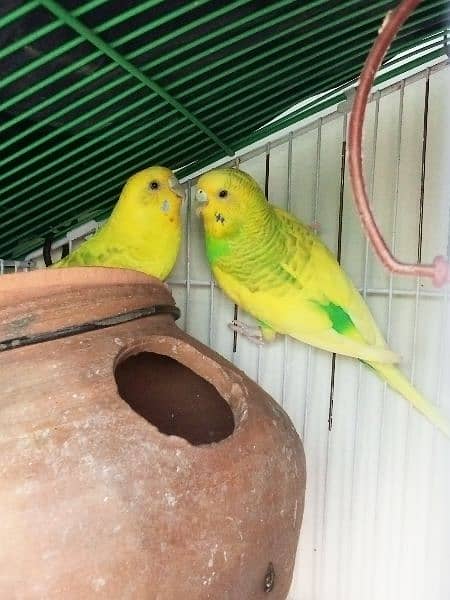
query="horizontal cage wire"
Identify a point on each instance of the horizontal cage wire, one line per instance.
(376, 522)
(14, 266)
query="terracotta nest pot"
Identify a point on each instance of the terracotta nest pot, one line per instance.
(136, 463)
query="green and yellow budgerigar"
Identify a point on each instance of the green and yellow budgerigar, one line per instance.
(280, 272)
(143, 231)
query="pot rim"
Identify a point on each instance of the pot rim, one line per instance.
(39, 282)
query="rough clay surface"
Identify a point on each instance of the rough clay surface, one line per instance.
(95, 501)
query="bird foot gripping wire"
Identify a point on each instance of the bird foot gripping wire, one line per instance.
(438, 271)
(251, 333)
(315, 227)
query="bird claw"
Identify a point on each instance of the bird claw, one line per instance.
(251, 333)
(315, 226)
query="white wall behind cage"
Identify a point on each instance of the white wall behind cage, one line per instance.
(376, 523)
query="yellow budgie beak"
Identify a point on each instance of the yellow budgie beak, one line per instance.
(201, 196)
(176, 187)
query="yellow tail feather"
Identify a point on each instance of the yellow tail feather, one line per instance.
(395, 378)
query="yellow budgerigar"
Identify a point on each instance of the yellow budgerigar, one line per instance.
(143, 231)
(279, 271)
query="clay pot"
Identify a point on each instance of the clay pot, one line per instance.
(135, 462)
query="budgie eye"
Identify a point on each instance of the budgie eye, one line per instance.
(154, 185)
(223, 193)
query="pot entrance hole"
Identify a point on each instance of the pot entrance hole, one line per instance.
(173, 398)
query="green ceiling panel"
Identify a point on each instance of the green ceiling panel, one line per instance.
(92, 91)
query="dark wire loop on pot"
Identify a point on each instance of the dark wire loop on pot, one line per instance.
(47, 250)
(47, 336)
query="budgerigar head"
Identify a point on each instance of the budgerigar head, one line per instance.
(227, 198)
(155, 188)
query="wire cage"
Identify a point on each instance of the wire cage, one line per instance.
(376, 521)
(14, 266)
(93, 90)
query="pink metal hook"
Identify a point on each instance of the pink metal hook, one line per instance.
(439, 270)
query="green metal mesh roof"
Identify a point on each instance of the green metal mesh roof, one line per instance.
(91, 92)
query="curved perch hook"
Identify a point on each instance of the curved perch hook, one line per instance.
(439, 270)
